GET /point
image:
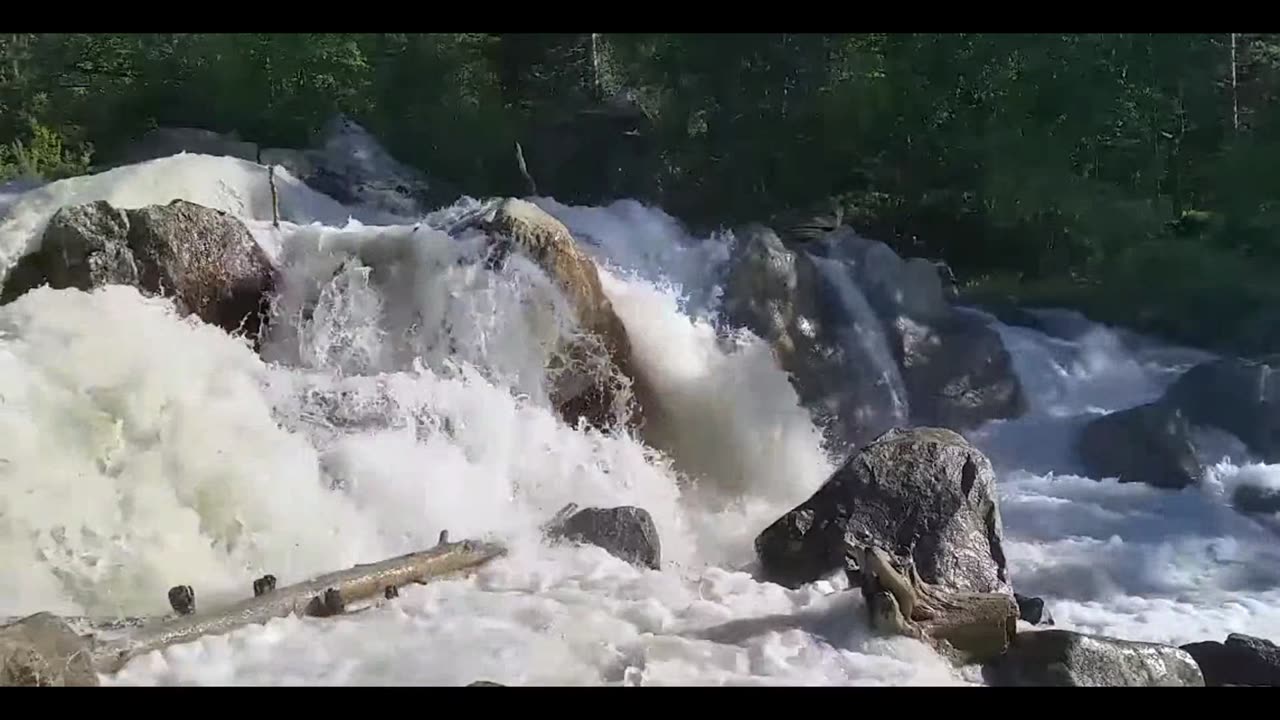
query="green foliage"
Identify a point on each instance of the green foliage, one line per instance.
(43, 155)
(1130, 158)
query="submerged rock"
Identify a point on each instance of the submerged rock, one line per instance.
(42, 651)
(628, 533)
(1256, 500)
(1060, 658)
(205, 260)
(1241, 660)
(1236, 395)
(923, 493)
(1149, 444)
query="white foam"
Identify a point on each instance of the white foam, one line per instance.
(229, 184)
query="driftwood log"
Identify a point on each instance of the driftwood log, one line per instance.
(967, 627)
(107, 645)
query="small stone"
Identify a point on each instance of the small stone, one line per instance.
(264, 585)
(1032, 610)
(182, 598)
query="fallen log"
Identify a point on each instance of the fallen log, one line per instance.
(323, 596)
(965, 626)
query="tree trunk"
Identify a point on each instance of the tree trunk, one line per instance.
(1235, 91)
(597, 85)
(112, 643)
(969, 627)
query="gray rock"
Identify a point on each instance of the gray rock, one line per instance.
(42, 651)
(625, 532)
(163, 142)
(1060, 658)
(84, 247)
(1236, 395)
(958, 372)
(824, 333)
(923, 493)
(1241, 660)
(204, 259)
(1033, 610)
(1149, 444)
(894, 286)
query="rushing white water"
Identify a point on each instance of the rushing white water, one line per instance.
(402, 392)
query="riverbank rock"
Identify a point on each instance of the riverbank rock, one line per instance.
(922, 493)
(1149, 444)
(204, 259)
(1060, 658)
(603, 394)
(42, 651)
(628, 533)
(1236, 395)
(825, 337)
(1033, 610)
(1241, 660)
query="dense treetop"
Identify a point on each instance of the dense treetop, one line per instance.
(1133, 175)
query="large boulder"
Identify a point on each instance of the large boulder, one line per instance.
(603, 395)
(352, 167)
(1061, 658)
(625, 532)
(823, 332)
(42, 651)
(1241, 660)
(1236, 395)
(1148, 444)
(957, 372)
(204, 259)
(923, 493)
(84, 247)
